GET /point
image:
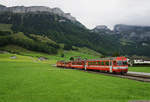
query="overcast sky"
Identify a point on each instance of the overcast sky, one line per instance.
(96, 12)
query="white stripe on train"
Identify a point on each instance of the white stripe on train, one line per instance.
(104, 67)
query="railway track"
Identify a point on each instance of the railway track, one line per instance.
(137, 77)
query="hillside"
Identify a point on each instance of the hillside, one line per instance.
(32, 42)
(67, 54)
(133, 39)
(60, 27)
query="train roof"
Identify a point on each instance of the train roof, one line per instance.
(109, 58)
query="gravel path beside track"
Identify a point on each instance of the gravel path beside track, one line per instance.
(139, 73)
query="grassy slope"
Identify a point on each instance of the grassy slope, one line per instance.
(89, 51)
(68, 54)
(26, 80)
(5, 27)
(42, 39)
(140, 69)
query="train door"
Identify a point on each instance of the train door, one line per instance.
(110, 66)
(85, 65)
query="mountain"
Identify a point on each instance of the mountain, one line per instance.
(61, 27)
(56, 27)
(34, 9)
(135, 33)
(102, 29)
(132, 39)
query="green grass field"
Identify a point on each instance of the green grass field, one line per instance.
(140, 69)
(25, 79)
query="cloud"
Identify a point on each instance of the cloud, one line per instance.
(97, 12)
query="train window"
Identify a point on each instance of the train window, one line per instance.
(114, 63)
(95, 63)
(125, 63)
(119, 63)
(99, 63)
(89, 63)
(107, 63)
(111, 63)
(102, 63)
(92, 63)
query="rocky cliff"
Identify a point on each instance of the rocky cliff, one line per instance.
(136, 33)
(23, 9)
(102, 29)
(130, 32)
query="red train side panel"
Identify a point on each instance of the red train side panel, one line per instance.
(113, 64)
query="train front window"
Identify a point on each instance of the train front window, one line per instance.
(119, 63)
(125, 63)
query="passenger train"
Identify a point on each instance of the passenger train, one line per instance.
(110, 65)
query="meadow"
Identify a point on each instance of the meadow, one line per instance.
(27, 79)
(140, 69)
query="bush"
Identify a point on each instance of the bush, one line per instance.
(71, 58)
(62, 55)
(3, 33)
(68, 47)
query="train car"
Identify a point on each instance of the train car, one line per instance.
(102, 65)
(112, 65)
(68, 64)
(60, 64)
(120, 65)
(78, 64)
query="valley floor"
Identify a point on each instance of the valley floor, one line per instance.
(26, 79)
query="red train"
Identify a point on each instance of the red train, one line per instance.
(112, 64)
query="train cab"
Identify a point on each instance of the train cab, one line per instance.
(120, 65)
